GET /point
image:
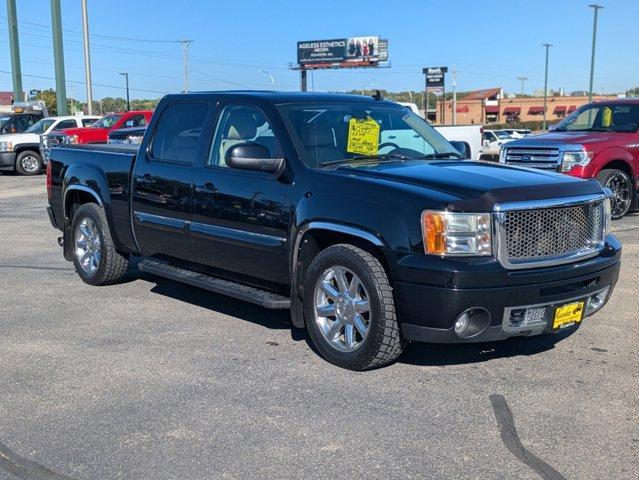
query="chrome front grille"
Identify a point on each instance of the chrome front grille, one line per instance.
(544, 158)
(547, 236)
(47, 142)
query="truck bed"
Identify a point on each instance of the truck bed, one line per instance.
(103, 168)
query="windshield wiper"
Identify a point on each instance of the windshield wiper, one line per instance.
(443, 155)
(385, 156)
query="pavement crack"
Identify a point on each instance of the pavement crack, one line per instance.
(26, 469)
(31, 267)
(511, 440)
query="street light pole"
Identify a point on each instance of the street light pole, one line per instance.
(126, 78)
(547, 46)
(592, 58)
(454, 96)
(87, 56)
(522, 80)
(269, 76)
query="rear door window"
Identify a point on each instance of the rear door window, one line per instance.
(179, 132)
(65, 124)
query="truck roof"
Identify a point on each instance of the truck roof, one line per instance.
(287, 97)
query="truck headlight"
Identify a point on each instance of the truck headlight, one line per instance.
(502, 155)
(457, 234)
(6, 146)
(70, 139)
(576, 157)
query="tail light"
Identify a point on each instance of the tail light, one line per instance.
(49, 184)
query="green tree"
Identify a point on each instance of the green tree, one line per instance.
(50, 100)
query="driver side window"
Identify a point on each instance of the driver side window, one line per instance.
(240, 124)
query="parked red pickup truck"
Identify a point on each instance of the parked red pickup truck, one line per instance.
(599, 140)
(98, 132)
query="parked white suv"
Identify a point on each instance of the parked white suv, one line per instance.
(21, 151)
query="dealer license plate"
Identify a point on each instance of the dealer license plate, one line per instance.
(568, 315)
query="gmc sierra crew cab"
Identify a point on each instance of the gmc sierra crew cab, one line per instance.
(351, 211)
(599, 140)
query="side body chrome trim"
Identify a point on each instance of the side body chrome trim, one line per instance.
(160, 222)
(233, 235)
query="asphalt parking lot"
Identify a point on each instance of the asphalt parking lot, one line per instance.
(155, 380)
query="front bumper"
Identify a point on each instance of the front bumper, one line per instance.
(7, 160)
(428, 312)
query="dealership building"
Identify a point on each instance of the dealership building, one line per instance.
(489, 106)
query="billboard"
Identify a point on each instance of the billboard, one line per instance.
(342, 52)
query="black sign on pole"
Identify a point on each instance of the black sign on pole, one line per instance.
(435, 80)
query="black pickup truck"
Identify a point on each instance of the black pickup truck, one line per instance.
(351, 211)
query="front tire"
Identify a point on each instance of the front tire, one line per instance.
(622, 189)
(350, 310)
(28, 163)
(95, 258)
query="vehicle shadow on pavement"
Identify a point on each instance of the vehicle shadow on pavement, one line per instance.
(431, 354)
(274, 319)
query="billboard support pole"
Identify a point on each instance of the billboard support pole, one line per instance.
(303, 79)
(58, 58)
(444, 103)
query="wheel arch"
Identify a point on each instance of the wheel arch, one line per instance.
(618, 164)
(315, 236)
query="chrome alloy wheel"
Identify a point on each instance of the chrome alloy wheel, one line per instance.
(30, 164)
(342, 309)
(622, 194)
(87, 246)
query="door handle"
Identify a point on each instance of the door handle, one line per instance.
(207, 188)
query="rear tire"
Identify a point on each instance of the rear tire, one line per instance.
(368, 291)
(96, 260)
(622, 189)
(28, 163)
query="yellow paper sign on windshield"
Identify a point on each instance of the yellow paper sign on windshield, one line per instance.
(363, 136)
(606, 117)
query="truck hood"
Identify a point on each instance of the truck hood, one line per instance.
(17, 138)
(555, 139)
(472, 184)
(81, 130)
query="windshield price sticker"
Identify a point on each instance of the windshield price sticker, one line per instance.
(363, 136)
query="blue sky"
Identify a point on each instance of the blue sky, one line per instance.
(490, 43)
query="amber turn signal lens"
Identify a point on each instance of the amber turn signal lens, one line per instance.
(434, 232)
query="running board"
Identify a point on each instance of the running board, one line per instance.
(254, 295)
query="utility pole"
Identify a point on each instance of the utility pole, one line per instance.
(87, 57)
(14, 47)
(454, 95)
(594, 40)
(522, 80)
(128, 103)
(185, 48)
(58, 58)
(547, 46)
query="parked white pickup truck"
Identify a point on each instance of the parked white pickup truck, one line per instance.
(492, 140)
(20, 152)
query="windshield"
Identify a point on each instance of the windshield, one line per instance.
(42, 126)
(502, 135)
(3, 121)
(352, 131)
(108, 121)
(598, 117)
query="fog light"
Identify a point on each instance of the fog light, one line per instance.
(472, 322)
(461, 323)
(596, 301)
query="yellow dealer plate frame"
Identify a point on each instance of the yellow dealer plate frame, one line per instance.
(568, 315)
